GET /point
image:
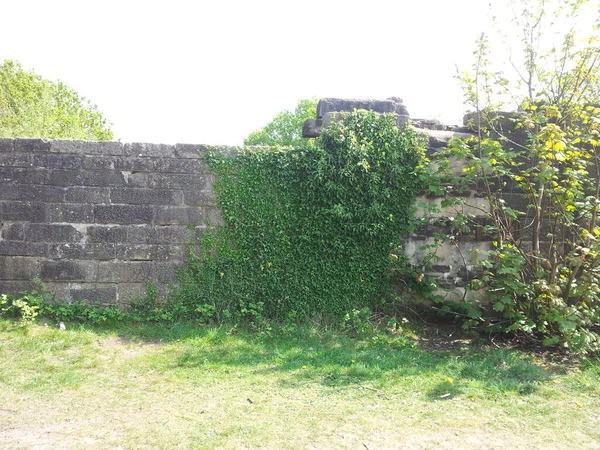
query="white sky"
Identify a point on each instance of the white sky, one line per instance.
(210, 72)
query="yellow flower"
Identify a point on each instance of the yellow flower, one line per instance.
(450, 380)
(352, 361)
(269, 264)
(304, 367)
(262, 267)
(222, 274)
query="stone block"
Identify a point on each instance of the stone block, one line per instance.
(159, 235)
(177, 181)
(69, 270)
(125, 271)
(16, 211)
(91, 195)
(165, 272)
(40, 193)
(119, 163)
(53, 161)
(82, 251)
(123, 214)
(145, 252)
(13, 231)
(174, 215)
(136, 179)
(42, 232)
(22, 248)
(22, 175)
(86, 147)
(312, 128)
(172, 165)
(189, 151)
(93, 293)
(32, 145)
(14, 287)
(128, 292)
(107, 234)
(199, 198)
(102, 178)
(391, 105)
(7, 144)
(70, 212)
(13, 159)
(19, 267)
(141, 149)
(212, 216)
(146, 196)
(440, 138)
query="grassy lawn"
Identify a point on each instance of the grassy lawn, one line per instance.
(137, 387)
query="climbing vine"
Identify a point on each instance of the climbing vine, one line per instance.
(307, 230)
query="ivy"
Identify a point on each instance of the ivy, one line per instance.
(308, 230)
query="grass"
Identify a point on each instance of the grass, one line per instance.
(184, 386)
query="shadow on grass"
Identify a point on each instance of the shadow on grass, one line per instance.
(310, 354)
(334, 359)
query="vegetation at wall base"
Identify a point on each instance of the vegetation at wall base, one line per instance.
(308, 230)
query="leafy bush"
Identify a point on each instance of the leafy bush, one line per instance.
(542, 274)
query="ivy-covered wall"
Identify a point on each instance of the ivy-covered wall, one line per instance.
(100, 220)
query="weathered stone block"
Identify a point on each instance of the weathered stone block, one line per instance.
(87, 195)
(32, 145)
(13, 231)
(169, 215)
(159, 234)
(100, 294)
(18, 267)
(145, 252)
(70, 212)
(136, 179)
(165, 272)
(146, 196)
(14, 287)
(13, 159)
(103, 178)
(52, 161)
(21, 248)
(176, 181)
(391, 105)
(14, 211)
(440, 138)
(82, 251)
(189, 151)
(129, 292)
(129, 163)
(7, 144)
(212, 216)
(141, 149)
(199, 198)
(124, 271)
(171, 165)
(40, 193)
(107, 234)
(42, 232)
(123, 214)
(22, 175)
(69, 270)
(86, 147)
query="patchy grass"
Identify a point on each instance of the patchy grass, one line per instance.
(182, 386)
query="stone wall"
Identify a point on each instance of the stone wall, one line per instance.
(99, 220)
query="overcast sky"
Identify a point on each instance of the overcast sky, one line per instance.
(210, 72)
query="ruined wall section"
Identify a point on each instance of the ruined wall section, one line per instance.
(97, 221)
